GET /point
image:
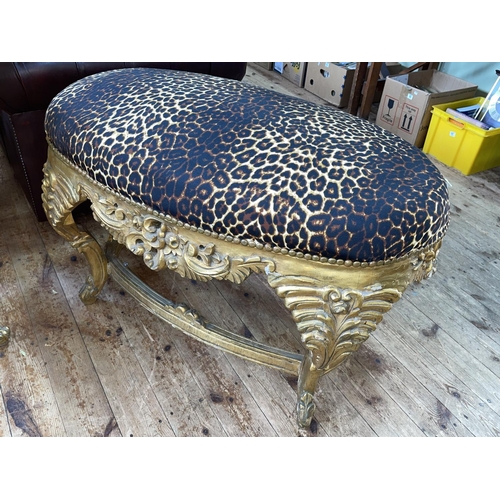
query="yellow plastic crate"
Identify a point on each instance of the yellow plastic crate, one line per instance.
(461, 145)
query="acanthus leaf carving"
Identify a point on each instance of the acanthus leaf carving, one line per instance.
(333, 321)
(424, 264)
(59, 196)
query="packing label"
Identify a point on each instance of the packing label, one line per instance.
(408, 118)
(390, 105)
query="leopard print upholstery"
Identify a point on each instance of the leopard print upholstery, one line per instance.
(239, 160)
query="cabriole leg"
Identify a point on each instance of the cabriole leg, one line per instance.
(333, 323)
(60, 197)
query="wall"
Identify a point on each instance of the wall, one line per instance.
(481, 74)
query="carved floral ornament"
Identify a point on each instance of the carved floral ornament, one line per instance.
(161, 246)
(333, 321)
(156, 238)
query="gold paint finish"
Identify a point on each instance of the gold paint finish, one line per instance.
(4, 336)
(335, 304)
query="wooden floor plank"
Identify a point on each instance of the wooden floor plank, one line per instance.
(136, 411)
(28, 394)
(241, 311)
(183, 401)
(229, 396)
(28, 402)
(479, 380)
(373, 403)
(28, 398)
(472, 196)
(4, 421)
(462, 294)
(464, 334)
(409, 393)
(335, 414)
(69, 366)
(454, 395)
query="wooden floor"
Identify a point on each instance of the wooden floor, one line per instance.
(432, 368)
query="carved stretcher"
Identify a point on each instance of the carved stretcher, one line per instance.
(217, 179)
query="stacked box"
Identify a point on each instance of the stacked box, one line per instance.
(332, 81)
(407, 100)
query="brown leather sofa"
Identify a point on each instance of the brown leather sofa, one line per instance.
(26, 90)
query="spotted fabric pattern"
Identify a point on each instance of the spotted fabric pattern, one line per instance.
(239, 160)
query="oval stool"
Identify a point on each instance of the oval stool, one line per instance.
(216, 179)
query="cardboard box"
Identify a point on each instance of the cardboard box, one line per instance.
(292, 71)
(391, 69)
(332, 81)
(407, 100)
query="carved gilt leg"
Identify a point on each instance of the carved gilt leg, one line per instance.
(333, 323)
(60, 197)
(4, 336)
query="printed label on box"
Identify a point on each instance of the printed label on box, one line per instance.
(408, 118)
(389, 109)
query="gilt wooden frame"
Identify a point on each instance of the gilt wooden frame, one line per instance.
(335, 304)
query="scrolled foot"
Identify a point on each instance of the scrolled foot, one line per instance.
(305, 409)
(96, 259)
(89, 292)
(4, 336)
